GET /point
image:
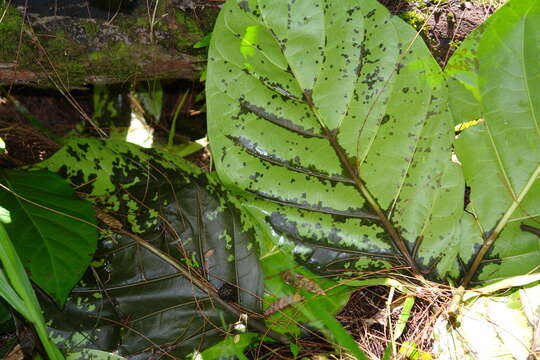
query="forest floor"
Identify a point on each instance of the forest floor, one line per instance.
(443, 25)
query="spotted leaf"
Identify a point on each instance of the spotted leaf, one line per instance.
(132, 301)
(333, 115)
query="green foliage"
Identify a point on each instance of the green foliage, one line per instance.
(332, 127)
(231, 347)
(17, 291)
(132, 300)
(348, 156)
(53, 232)
(498, 67)
(403, 317)
(291, 285)
(36, 123)
(415, 19)
(150, 95)
(91, 354)
(204, 42)
(10, 27)
(321, 315)
(178, 108)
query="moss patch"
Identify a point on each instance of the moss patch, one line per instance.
(187, 31)
(90, 28)
(414, 18)
(115, 60)
(10, 28)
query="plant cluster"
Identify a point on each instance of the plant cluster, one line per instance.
(333, 134)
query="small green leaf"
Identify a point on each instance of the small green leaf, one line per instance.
(403, 317)
(233, 345)
(204, 42)
(295, 349)
(54, 233)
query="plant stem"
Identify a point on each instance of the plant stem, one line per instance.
(170, 141)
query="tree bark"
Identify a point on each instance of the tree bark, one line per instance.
(67, 44)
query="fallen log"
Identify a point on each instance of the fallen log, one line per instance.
(70, 44)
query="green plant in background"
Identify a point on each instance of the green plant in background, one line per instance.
(111, 110)
(36, 123)
(233, 346)
(318, 314)
(150, 96)
(204, 42)
(178, 108)
(414, 18)
(102, 104)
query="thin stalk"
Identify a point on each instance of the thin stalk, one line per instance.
(170, 141)
(389, 301)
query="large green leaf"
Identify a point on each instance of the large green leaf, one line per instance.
(132, 301)
(333, 115)
(501, 156)
(54, 233)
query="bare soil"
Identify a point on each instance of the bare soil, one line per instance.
(444, 24)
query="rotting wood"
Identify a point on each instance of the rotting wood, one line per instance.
(77, 43)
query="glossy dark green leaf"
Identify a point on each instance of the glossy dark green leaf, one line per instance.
(131, 301)
(333, 115)
(501, 156)
(53, 232)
